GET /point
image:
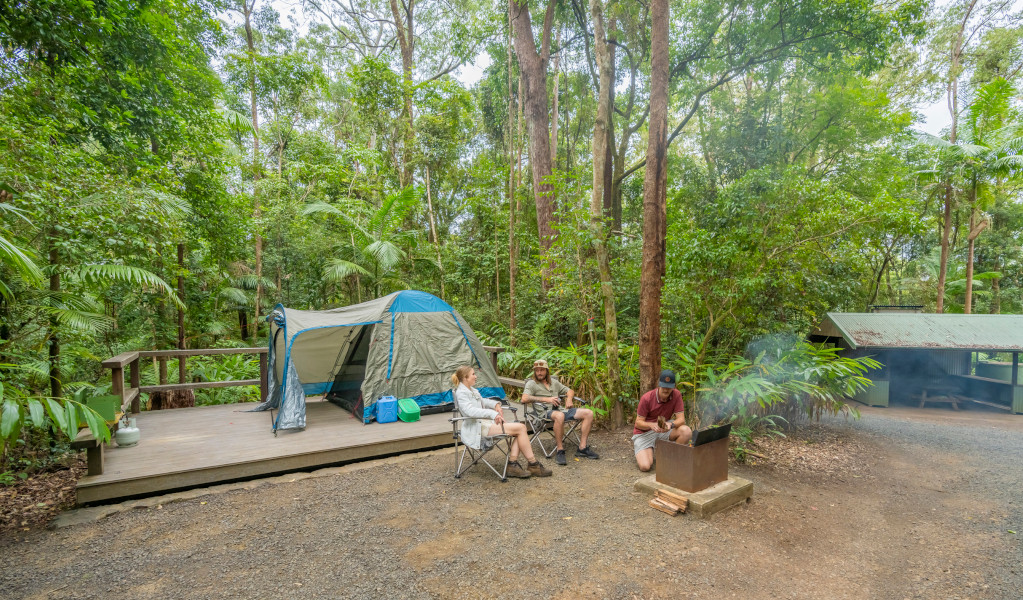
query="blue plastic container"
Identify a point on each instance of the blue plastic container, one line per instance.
(387, 409)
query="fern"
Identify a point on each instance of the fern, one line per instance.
(103, 274)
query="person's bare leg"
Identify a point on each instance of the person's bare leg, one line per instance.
(584, 415)
(559, 428)
(681, 435)
(521, 444)
(645, 459)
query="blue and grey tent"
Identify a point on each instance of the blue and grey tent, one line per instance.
(406, 344)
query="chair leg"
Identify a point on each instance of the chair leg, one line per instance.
(572, 433)
(478, 456)
(503, 473)
(541, 428)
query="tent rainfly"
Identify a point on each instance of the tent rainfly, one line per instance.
(406, 344)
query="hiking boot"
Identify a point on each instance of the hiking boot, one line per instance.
(559, 457)
(539, 470)
(516, 470)
(587, 452)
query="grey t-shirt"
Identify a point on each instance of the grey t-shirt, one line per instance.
(535, 388)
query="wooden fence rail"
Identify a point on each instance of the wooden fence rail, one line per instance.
(130, 393)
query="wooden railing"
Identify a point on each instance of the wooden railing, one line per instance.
(130, 393)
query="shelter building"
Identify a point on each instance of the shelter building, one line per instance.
(933, 358)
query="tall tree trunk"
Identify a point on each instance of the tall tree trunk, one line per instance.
(533, 68)
(655, 200)
(996, 300)
(946, 231)
(513, 146)
(512, 143)
(975, 230)
(404, 31)
(952, 95)
(968, 304)
(433, 232)
(609, 155)
(256, 168)
(554, 109)
(56, 390)
(600, 171)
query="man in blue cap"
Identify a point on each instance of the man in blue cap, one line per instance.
(663, 402)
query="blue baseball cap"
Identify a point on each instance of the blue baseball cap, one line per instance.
(667, 379)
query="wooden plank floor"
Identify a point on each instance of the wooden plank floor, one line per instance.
(200, 446)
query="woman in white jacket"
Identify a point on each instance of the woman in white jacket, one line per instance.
(485, 420)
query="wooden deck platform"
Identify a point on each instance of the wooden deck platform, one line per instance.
(190, 447)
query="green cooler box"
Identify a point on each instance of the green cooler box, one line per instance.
(408, 410)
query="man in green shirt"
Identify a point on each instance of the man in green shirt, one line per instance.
(544, 387)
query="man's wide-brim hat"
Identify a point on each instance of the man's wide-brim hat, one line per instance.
(540, 364)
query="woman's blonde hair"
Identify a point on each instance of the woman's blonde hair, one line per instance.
(460, 374)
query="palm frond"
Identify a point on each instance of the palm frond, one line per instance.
(84, 322)
(10, 208)
(217, 328)
(1013, 161)
(234, 295)
(927, 139)
(386, 254)
(432, 261)
(246, 281)
(322, 208)
(75, 301)
(235, 119)
(20, 259)
(338, 270)
(164, 202)
(393, 210)
(103, 274)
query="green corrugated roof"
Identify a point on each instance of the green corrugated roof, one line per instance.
(922, 330)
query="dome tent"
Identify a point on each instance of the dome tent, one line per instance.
(406, 344)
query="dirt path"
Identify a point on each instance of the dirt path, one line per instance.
(902, 504)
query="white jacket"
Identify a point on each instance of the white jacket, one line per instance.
(472, 405)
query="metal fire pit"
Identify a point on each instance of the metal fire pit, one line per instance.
(691, 468)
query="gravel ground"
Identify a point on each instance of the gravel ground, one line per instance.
(901, 504)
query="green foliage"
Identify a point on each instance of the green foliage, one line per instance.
(19, 412)
(794, 185)
(787, 382)
(232, 367)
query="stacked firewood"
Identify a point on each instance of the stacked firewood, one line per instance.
(669, 503)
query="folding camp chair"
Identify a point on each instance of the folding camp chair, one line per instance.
(502, 443)
(542, 426)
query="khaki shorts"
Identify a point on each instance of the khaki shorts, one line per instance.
(647, 439)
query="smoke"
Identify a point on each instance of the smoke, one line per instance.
(757, 385)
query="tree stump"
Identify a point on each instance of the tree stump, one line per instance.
(171, 399)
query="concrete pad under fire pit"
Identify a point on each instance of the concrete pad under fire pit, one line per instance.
(706, 502)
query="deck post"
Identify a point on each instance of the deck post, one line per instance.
(1015, 369)
(133, 366)
(94, 460)
(493, 351)
(117, 382)
(263, 385)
